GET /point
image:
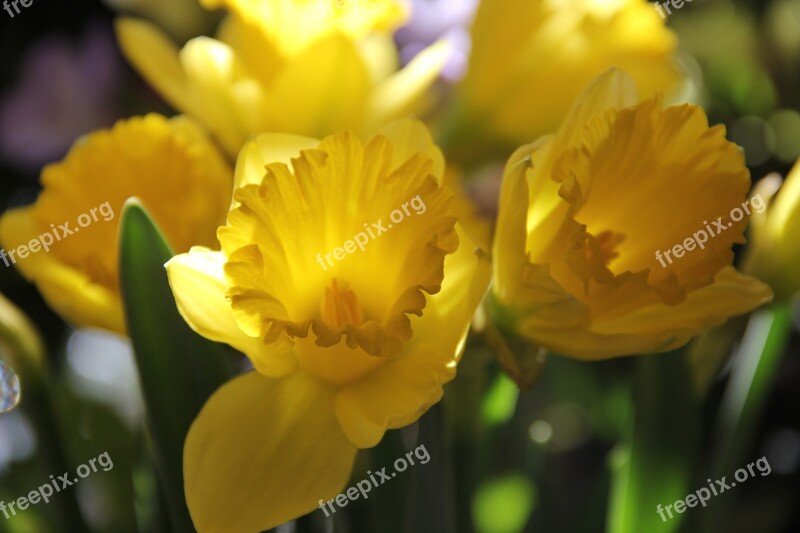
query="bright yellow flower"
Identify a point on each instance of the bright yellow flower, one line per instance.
(585, 213)
(346, 280)
(170, 164)
(774, 253)
(531, 58)
(295, 66)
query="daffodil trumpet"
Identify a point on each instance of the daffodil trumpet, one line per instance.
(583, 213)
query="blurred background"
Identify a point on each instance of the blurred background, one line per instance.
(546, 460)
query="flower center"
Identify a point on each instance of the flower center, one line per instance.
(340, 305)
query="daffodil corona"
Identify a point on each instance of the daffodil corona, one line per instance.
(340, 354)
(168, 163)
(294, 67)
(583, 212)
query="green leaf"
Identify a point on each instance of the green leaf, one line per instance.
(755, 365)
(753, 373)
(178, 369)
(654, 466)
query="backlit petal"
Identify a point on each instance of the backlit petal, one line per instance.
(198, 283)
(262, 452)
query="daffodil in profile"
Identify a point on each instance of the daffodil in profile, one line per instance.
(598, 250)
(774, 253)
(307, 67)
(70, 232)
(346, 280)
(531, 58)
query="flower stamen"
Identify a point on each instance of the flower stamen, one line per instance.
(340, 306)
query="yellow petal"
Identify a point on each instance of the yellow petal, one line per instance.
(205, 79)
(403, 93)
(322, 90)
(261, 150)
(70, 292)
(198, 283)
(410, 136)
(612, 90)
(399, 392)
(221, 91)
(658, 327)
(262, 452)
(156, 56)
(731, 294)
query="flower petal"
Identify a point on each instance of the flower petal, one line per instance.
(198, 283)
(322, 90)
(399, 392)
(263, 452)
(730, 294)
(261, 150)
(68, 291)
(402, 93)
(409, 137)
(660, 327)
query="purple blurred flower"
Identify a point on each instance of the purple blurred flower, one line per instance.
(65, 90)
(432, 20)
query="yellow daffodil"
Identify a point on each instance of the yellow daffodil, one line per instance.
(614, 235)
(307, 67)
(66, 242)
(531, 58)
(347, 281)
(774, 253)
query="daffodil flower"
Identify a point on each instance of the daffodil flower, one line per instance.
(774, 253)
(341, 353)
(531, 58)
(168, 163)
(296, 66)
(583, 213)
